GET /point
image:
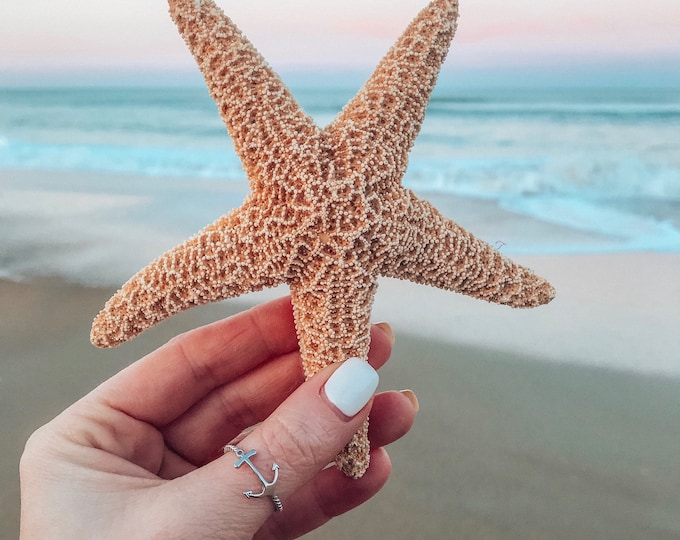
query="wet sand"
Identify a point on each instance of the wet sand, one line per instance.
(506, 445)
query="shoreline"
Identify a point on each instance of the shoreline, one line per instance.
(139, 217)
(510, 445)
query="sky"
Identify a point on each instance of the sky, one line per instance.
(625, 39)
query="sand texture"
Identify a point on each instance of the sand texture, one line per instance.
(506, 445)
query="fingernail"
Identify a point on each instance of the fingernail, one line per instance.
(351, 386)
(387, 329)
(411, 396)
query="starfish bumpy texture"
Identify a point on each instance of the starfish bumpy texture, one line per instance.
(327, 213)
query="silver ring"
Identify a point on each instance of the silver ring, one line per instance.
(268, 488)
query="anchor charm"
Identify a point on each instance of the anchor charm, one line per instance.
(267, 487)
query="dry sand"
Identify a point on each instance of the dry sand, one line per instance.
(506, 445)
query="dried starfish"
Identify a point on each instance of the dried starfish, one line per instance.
(327, 213)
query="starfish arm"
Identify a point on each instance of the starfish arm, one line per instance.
(223, 260)
(376, 130)
(332, 309)
(434, 250)
(264, 120)
(332, 315)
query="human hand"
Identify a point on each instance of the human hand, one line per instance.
(141, 455)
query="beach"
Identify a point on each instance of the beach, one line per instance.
(517, 436)
(554, 423)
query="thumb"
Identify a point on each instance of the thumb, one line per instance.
(298, 440)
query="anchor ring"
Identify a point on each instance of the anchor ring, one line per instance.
(268, 487)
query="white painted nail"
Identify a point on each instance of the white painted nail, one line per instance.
(351, 386)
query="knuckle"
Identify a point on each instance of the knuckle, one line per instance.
(301, 448)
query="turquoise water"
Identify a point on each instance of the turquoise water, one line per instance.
(601, 161)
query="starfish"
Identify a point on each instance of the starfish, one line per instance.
(326, 213)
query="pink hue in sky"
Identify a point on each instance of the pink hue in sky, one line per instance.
(55, 35)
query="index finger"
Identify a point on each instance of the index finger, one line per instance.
(165, 383)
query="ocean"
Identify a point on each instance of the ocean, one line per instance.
(603, 164)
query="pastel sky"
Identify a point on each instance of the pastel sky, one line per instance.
(58, 36)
